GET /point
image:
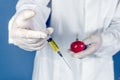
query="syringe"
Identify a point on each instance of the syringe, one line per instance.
(55, 47)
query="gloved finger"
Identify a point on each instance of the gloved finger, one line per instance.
(32, 45)
(88, 40)
(24, 15)
(80, 55)
(24, 19)
(90, 49)
(25, 33)
(31, 48)
(32, 41)
(70, 52)
(50, 30)
(96, 38)
(36, 44)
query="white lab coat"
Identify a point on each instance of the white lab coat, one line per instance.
(68, 18)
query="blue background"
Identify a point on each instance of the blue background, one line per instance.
(15, 63)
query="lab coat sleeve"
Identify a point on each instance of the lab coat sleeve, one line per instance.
(41, 9)
(111, 36)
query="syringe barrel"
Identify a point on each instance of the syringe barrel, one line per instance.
(53, 45)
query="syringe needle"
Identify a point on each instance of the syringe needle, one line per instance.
(64, 59)
(66, 63)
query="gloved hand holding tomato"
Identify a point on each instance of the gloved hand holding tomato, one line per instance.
(82, 49)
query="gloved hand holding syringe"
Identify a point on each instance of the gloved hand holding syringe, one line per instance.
(28, 39)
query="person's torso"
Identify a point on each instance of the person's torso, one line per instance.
(82, 17)
(69, 18)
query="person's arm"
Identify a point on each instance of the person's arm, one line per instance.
(111, 36)
(27, 28)
(102, 44)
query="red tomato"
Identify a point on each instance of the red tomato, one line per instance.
(77, 46)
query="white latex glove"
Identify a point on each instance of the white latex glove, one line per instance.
(93, 43)
(22, 34)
